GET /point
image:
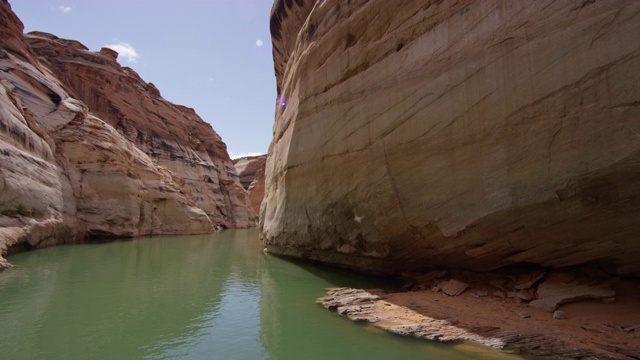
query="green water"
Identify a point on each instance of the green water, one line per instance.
(186, 297)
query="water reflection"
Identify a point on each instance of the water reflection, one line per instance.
(293, 326)
(189, 297)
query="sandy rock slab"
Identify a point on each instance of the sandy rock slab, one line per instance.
(360, 305)
(552, 294)
(399, 318)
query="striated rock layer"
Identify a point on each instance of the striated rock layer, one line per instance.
(173, 135)
(66, 174)
(250, 169)
(455, 133)
(247, 167)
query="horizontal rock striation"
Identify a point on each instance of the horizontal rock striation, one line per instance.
(469, 133)
(173, 135)
(37, 206)
(360, 305)
(250, 169)
(247, 167)
(66, 174)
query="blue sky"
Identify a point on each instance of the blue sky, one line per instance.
(211, 55)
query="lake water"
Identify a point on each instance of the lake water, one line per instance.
(186, 297)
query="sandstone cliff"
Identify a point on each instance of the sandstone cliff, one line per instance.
(247, 167)
(175, 136)
(250, 169)
(455, 133)
(65, 174)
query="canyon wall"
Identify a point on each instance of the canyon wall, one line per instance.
(250, 169)
(474, 134)
(173, 135)
(67, 174)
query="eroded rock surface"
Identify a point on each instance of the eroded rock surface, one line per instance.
(66, 174)
(250, 169)
(173, 135)
(256, 190)
(552, 294)
(467, 133)
(37, 206)
(247, 167)
(361, 305)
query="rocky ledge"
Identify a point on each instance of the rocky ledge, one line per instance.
(495, 322)
(360, 305)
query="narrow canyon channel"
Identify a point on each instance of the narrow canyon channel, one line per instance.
(187, 297)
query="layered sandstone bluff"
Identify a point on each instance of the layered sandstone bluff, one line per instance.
(250, 169)
(90, 150)
(475, 134)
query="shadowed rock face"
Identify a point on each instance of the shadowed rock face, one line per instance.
(475, 134)
(66, 174)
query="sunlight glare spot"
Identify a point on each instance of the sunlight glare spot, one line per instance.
(282, 101)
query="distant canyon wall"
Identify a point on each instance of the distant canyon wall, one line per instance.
(473, 134)
(250, 169)
(69, 171)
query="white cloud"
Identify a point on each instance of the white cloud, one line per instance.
(236, 156)
(64, 9)
(126, 50)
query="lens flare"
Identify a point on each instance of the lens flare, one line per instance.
(282, 101)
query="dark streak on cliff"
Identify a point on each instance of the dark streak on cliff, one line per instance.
(281, 19)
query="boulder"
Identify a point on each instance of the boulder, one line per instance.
(553, 294)
(527, 280)
(453, 287)
(559, 314)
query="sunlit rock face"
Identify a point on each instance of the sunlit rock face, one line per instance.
(65, 174)
(37, 206)
(473, 134)
(250, 169)
(174, 136)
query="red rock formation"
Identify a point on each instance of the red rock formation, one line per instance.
(174, 135)
(66, 174)
(256, 190)
(37, 207)
(455, 133)
(247, 167)
(250, 169)
(11, 34)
